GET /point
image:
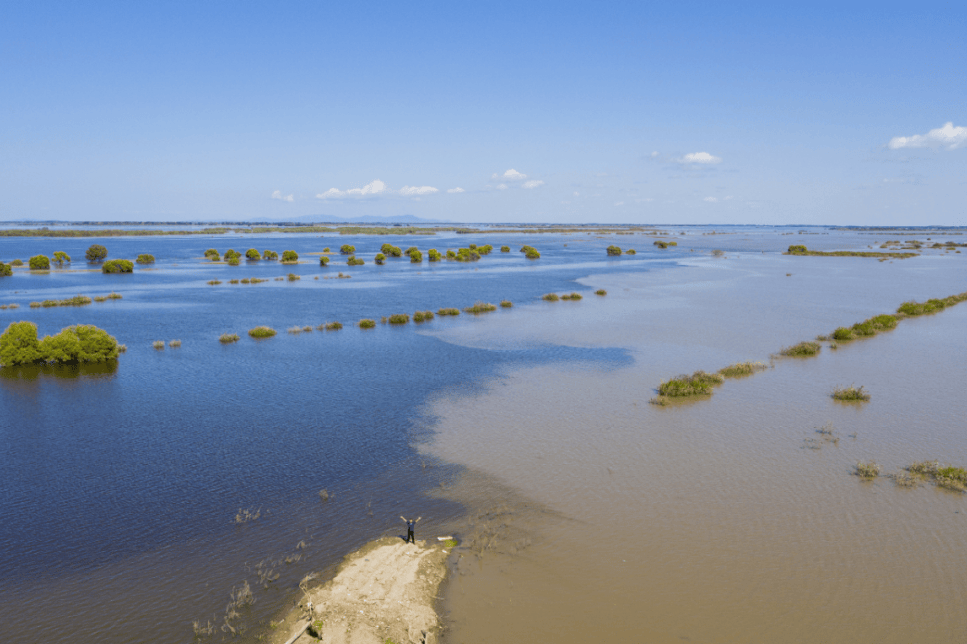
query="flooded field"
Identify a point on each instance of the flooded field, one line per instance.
(585, 511)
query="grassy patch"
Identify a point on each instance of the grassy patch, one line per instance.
(740, 369)
(399, 318)
(117, 266)
(506, 304)
(262, 332)
(175, 344)
(449, 311)
(801, 350)
(480, 307)
(293, 277)
(601, 292)
(422, 316)
(333, 326)
(801, 250)
(613, 250)
(228, 338)
(213, 282)
(850, 393)
(158, 344)
(699, 383)
(867, 470)
(366, 323)
(572, 296)
(144, 258)
(550, 297)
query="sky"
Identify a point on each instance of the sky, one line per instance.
(673, 112)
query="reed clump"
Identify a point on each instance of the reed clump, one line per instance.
(601, 291)
(175, 344)
(572, 296)
(480, 307)
(505, 249)
(294, 278)
(367, 323)
(448, 311)
(214, 282)
(699, 383)
(506, 304)
(867, 470)
(228, 338)
(333, 326)
(740, 369)
(158, 344)
(399, 318)
(233, 281)
(294, 329)
(262, 332)
(801, 350)
(851, 393)
(422, 316)
(550, 297)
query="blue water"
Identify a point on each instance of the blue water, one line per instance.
(119, 484)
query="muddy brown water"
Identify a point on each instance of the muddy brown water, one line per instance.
(720, 520)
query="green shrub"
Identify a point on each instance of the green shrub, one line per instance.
(532, 254)
(914, 308)
(797, 249)
(145, 259)
(410, 250)
(868, 471)
(346, 249)
(480, 307)
(80, 343)
(96, 253)
(842, 334)
(380, 259)
(466, 255)
(352, 260)
(77, 300)
(17, 262)
(366, 323)
(486, 249)
(228, 338)
(231, 254)
(600, 291)
(158, 344)
(60, 257)
(422, 316)
(614, 250)
(505, 249)
(434, 255)
(262, 332)
(214, 282)
(233, 261)
(630, 251)
(211, 252)
(39, 263)
(864, 328)
(572, 296)
(386, 248)
(661, 244)
(550, 297)
(323, 260)
(399, 318)
(506, 304)
(699, 383)
(451, 254)
(326, 249)
(850, 393)
(333, 326)
(672, 243)
(803, 349)
(394, 251)
(253, 255)
(740, 369)
(270, 254)
(114, 296)
(884, 322)
(450, 311)
(215, 258)
(5, 270)
(416, 256)
(290, 256)
(293, 277)
(118, 266)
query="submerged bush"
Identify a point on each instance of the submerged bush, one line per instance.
(39, 263)
(422, 316)
(630, 251)
(366, 323)
(451, 254)
(380, 259)
(868, 471)
(347, 249)
(290, 256)
(262, 332)
(323, 260)
(572, 296)
(505, 249)
(699, 383)
(661, 244)
(450, 311)
(850, 393)
(17, 262)
(175, 344)
(60, 257)
(211, 252)
(293, 277)
(415, 256)
(506, 304)
(352, 260)
(913, 309)
(270, 255)
(803, 349)
(433, 255)
(231, 254)
(253, 255)
(333, 326)
(5, 270)
(214, 282)
(228, 338)
(144, 258)
(96, 253)
(485, 249)
(530, 252)
(742, 369)
(842, 334)
(233, 281)
(118, 266)
(77, 300)
(215, 258)
(79, 343)
(797, 249)
(158, 344)
(465, 255)
(399, 318)
(233, 261)
(550, 297)
(411, 250)
(600, 291)
(614, 250)
(480, 307)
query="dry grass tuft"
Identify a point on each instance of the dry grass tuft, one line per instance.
(868, 471)
(801, 350)
(740, 369)
(850, 393)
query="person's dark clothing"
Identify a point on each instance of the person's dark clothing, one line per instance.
(409, 532)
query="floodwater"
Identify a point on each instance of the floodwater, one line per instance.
(606, 517)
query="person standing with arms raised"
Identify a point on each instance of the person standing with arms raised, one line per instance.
(410, 525)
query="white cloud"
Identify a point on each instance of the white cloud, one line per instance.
(510, 175)
(331, 194)
(699, 157)
(947, 136)
(619, 203)
(502, 186)
(281, 197)
(456, 190)
(712, 199)
(374, 187)
(533, 183)
(577, 194)
(654, 154)
(411, 191)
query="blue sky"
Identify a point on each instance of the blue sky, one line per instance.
(596, 112)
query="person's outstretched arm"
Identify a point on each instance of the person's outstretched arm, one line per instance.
(418, 520)
(402, 517)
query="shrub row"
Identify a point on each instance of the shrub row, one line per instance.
(80, 343)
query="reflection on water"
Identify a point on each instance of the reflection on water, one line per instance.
(62, 371)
